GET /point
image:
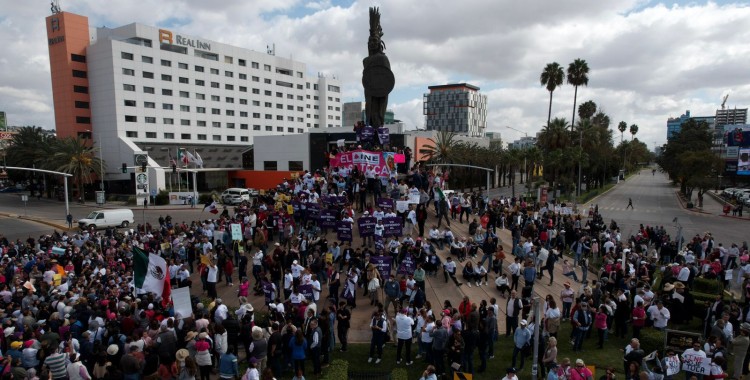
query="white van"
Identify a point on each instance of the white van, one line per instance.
(235, 195)
(122, 217)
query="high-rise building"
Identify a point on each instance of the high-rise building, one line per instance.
(458, 108)
(138, 88)
(731, 117)
(355, 111)
(674, 124)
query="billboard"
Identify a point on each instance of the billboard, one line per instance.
(743, 162)
(737, 135)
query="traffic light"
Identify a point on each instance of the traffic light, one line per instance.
(143, 167)
(174, 168)
(124, 167)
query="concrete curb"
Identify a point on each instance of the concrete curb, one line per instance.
(684, 205)
(721, 200)
(591, 201)
(38, 220)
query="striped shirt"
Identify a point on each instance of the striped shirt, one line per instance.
(57, 364)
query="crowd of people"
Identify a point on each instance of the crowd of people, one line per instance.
(71, 310)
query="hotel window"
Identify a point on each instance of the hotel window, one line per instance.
(216, 137)
(131, 134)
(216, 124)
(169, 136)
(166, 92)
(215, 98)
(269, 117)
(215, 71)
(279, 118)
(215, 111)
(243, 76)
(201, 137)
(200, 96)
(126, 87)
(229, 100)
(243, 89)
(131, 118)
(256, 127)
(199, 69)
(80, 104)
(228, 74)
(184, 94)
(244, 139)
(230, 125)
(279, 129)
(279, 106)
(182, 65)
(79, 74)
(200, 109)
(228, 86)
(148, 75)
(290, 118)
(266, 81)
(184, 122)
(200, 82)
(149, 105)
(146, 59)
(290, 130)
(242, 62)
(166, 63)
(83, 120)
(230, 113)
(184, 108)
(150, 135)
(78, 58)
(243, 126)
(168, 121)
(228, 59)
(269, 128)
(184, 80)
(150, 120)
(267, 93)
(255, 79)
(148, 90)
(255, 65)
(215, 85)
(125, 71)
(166, 77)
(200, 123)
(290, 96)
(167, 106)
(129, 103)
(268, 104)
(267, 67)
(300, 130)
(230, 138)
(256, 91)
(243, 101)
(290, 107)
(279, 94)
(243, 113)
(128, 56)
(256, 115)
(185, 136)
(256, 103)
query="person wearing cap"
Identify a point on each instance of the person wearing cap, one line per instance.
(510, 374)
(739, 349)
(521, 342)
(580, 371)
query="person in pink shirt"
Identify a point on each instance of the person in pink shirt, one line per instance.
(600, 323)
(244, 288)
(580, 372)
(639, 319)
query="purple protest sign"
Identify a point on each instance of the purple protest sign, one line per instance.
(334, 200)
(313, 211)
(383, 264)
(296, 206)
(386, 204)
(384, 136)
(379, 243)
(268, 291)
(327, 218)
(344, 231)
(392, 226)
(407, 266)
(366, 225)
(306, 291)
(367, 133)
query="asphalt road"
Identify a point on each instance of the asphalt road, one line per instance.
(655, 203)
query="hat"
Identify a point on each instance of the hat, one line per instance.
(248, 307)
(182, 354)
(272, 306)
(16, 345)
(511, 370)
(253, 360)
(295, 262)
(366, 213)
(404, 311)
(219, 301)
(113, 349)
(567, 283)
(151, 306)
(745, 326)
(523, 322)
(202, 335)
(190, 336)
(277, 244)
(679, 285)
(9, 331)
(668, 287)
(580, 362)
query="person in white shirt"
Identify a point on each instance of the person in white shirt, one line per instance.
(316, 288)
(378, 214)
(502, 284)
(449, 269)
(211, 280)
(411, 221)
(659, 314)
(692, 353)
(425, 339)
(297, 269)
(403, 334)
(480, 272)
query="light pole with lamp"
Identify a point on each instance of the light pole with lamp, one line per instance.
(525, 186)
(101, 166)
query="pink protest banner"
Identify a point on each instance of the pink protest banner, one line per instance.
(382, 162)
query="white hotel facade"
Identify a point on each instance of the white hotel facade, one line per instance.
(138, 88)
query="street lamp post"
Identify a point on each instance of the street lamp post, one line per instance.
(524, 158)
(101, 165)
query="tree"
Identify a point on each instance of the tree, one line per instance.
(72, 155)
(698, 171)
(601, 120)
(633, 131)
(587, 110)
(623, 126)
(30, 147)
(442, 150)
(693, 137)
(578, 75)
(551, 77)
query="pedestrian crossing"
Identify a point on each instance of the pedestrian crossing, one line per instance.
(639, 210)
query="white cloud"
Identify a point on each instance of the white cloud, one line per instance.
(648, 61)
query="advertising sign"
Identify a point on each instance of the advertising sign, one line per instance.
(743, 162)
(382, 162)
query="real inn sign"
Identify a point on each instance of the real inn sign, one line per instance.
(166, 37)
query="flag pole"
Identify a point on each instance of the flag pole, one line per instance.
(179, 178)
(171, 175)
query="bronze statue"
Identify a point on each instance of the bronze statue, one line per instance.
(377, 77)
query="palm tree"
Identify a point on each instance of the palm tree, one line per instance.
(442, 149)
(623, 126)
(30, 147)
(587, 109)
(72, 155)
(578, 75)
(633, 131)
(551, 77)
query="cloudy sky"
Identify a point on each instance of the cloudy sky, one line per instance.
(649, 60)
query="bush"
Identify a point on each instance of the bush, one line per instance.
(205, 198)
(162, 198)
(710, 286)
(338, 370)
(399, 374)
(651, 339)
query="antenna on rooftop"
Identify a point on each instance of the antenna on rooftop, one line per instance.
(55, 6)
(271, 49)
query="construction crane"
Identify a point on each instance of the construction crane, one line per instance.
(724, 101)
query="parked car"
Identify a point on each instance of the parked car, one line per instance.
(234, 196)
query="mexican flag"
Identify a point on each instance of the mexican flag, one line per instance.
(439, 193)
(182, 157)
(151, 274)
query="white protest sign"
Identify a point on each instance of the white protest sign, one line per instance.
(696, 364)
(414, 198)
(236, 231)
(402, 206)
(181, 301)
(673, 364)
